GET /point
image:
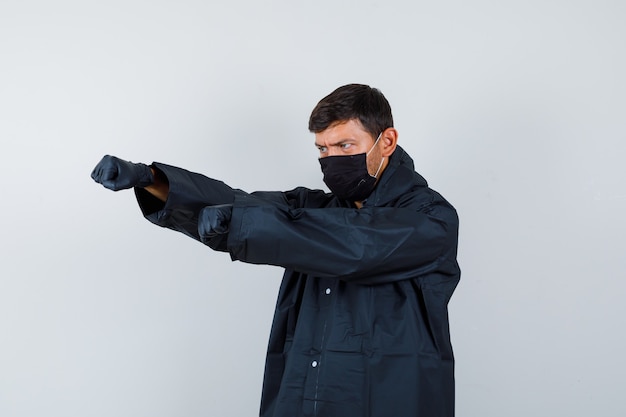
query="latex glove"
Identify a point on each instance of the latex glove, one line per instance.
(117, 174)
(214, 221)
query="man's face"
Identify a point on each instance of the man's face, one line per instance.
(348, 138)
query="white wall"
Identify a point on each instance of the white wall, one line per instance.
(515, 111)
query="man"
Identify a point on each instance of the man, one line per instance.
(361, 325)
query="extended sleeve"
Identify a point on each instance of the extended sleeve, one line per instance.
(189, 192)
(368, 245)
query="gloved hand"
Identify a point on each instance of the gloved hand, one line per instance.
(116, 174)
(214, 221)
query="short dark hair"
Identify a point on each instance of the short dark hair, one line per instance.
(353, 102)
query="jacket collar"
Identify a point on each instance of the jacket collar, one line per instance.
(398, 178)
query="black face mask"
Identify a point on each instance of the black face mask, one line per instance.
(347, 175)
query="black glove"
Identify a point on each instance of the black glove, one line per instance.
(214, 221)
(116, 174)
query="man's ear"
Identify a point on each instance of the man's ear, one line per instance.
(388, 141)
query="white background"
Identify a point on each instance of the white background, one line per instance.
(515, 111)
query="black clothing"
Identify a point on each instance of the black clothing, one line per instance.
(361, 323)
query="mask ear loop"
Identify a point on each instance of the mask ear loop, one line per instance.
(374, 145)
(381, 160)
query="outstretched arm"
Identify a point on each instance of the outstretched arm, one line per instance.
(369, 245)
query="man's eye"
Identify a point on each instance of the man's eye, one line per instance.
(322, 149)
(345, 146)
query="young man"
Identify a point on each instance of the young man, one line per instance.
(361, 325)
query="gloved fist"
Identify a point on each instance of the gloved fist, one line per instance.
(214, 221)
(116, 174)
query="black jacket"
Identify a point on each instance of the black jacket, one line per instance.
(361, 324)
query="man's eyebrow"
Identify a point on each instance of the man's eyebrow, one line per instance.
(339, 142)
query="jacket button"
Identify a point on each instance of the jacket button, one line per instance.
(327, 291)
(314, 364)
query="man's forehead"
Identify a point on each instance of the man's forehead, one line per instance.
(339, 132)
